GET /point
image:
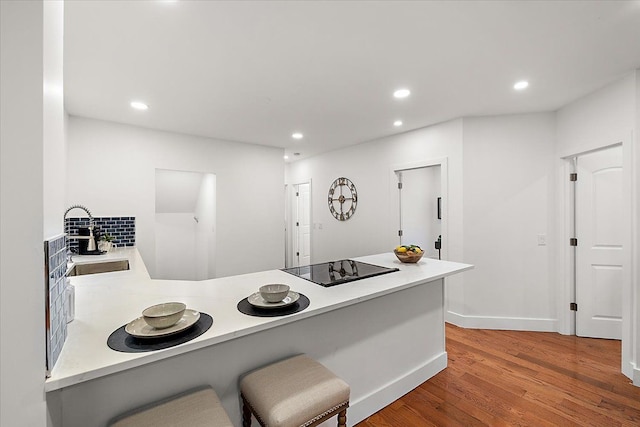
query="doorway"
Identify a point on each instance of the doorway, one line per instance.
(185, 206)
(420, 202)
(300, 225)
(600, 233)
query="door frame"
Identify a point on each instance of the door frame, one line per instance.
(289, 223)
(567, 261)
(394, 206)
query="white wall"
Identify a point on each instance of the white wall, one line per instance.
(249, 181)
(370, 165)
(508, 176)
(30, 45)
(175, 246)
(54, 120)
(634, 352)
(598, 119)
(605, 117)
(177, 191)
(509, 181)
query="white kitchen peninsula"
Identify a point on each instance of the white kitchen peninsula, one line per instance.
(383, 335)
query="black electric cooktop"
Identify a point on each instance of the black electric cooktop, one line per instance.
(337, 272)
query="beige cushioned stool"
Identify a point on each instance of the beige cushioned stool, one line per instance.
(199, 408)
(294, 392)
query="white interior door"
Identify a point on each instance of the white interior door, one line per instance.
(302, 225)
(419, 208)
(599, 230)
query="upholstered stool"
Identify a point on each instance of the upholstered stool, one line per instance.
(292, 393)
(200, 408)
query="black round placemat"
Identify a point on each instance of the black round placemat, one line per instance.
(120, 340)
(246, 308)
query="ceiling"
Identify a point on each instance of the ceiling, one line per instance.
(257, 71)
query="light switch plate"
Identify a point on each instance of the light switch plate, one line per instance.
(542, 239)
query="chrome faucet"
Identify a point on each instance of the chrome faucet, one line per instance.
(91, 246)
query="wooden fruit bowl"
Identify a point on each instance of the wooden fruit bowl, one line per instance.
(408, 257)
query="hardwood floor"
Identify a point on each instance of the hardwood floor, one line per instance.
(506, 378)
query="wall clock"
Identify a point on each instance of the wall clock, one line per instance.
(343, 199)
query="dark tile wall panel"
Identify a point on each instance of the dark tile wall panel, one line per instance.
(122, 228)
(55, 252)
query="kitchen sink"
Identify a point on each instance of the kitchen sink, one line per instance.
(98, 267)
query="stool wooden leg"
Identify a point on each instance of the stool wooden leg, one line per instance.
(342, 418)
(246, 414)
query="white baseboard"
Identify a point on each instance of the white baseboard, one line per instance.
(392, 391)
(636, 375)
(502, 323)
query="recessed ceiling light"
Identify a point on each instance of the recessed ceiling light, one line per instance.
(401, 93)
(397, 123)
(139, 105)
(286, 157)
(521, 85)
(297, 135)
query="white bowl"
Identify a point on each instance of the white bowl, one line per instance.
(274, 292)
(163, 315)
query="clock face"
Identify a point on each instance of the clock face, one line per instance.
(343, 199)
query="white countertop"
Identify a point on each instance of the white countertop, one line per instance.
(107, 301)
